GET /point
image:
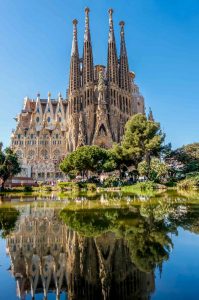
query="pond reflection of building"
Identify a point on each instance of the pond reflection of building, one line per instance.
(47, 256)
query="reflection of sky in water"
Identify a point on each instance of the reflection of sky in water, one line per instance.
(180, 275)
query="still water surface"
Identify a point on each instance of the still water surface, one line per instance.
(107, 246)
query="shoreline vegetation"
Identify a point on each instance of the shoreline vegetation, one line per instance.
(186, 185)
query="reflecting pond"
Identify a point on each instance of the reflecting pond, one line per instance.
(99, 246)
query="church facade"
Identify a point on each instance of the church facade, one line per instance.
(99, 101)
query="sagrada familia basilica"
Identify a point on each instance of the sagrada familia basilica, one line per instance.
(99, 101)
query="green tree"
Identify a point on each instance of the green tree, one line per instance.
(188, 155)
(87, 158)
(158, 170)
(9, 164)
(142, 139)
(119, 160)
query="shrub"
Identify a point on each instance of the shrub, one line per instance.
(82, 185)
(111, 181)
(91, 186)
(47, 188)
(27, 188)
(190, 183)
(140, 186)
(68, 186)
(171, 184)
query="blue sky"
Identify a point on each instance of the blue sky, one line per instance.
(162, 39)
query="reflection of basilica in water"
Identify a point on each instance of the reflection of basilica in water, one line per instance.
(47, 256)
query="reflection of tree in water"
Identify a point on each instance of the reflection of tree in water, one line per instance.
(8, 218)
(146, 234)
(95, 253)
(186, 217)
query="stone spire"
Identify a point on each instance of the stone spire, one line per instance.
(74, 82)
(112, 66)
(124, 77)
(87, 67)
(150, 115)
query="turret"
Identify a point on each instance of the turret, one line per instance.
(112, 63)
(87, 67)
(74, 82)
(150, 115)
(124, 77)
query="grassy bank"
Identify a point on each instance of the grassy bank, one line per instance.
(143, 186)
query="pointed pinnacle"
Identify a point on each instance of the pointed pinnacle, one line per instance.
(75, 22)
(74, 42)
(110, 11)
(87, 30)
(111, 29)
(87, 10)
(122, 23)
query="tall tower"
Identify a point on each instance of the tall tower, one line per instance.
(112, 79)
(87, 67)
(74, 91)
(124, 76)
(112, 63)
(88, 79)
(74, 80)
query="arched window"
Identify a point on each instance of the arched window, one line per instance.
(31, 154)
(56, 154)
(44, 154)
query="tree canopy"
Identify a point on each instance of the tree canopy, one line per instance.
(157, 171)
(187, 155)
(142, 139)
(9, 164)
(87, 158)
